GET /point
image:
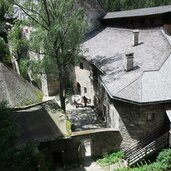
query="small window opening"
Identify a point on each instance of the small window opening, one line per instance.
(81, 65)
(85, 90)
(151, 116)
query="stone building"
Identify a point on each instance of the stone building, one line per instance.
(127, 61)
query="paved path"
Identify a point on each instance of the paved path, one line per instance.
(88, 166)
(84, 118)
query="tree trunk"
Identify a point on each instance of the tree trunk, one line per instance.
(62, 89)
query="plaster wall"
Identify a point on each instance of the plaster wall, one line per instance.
(82, 76)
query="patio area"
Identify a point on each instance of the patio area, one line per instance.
(84, 118)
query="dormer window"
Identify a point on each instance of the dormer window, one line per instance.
(81, 65)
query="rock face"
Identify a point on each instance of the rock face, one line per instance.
(15, 90)
(93, 12)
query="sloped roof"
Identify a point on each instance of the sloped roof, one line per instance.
(149, 81)
(43, 122)
(15, 90)
(138, 12)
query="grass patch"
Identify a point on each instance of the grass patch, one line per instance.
(39, 96)
(112, 158)
(68, 127)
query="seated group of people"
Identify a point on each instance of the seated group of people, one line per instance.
(84, 100)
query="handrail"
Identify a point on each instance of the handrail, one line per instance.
(146, 140)
(148, 145)
(149, 149)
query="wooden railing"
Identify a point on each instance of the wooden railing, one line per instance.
(148, 146)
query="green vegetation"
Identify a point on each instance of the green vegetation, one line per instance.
(6, 21)
(26, 102)
(5, 24)
(109, 159)
(163, 163)
(68, 127)
(39, 96)
(119, 5)
(58, 32)
(4, 52)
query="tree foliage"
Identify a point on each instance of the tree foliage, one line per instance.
(6, 21)
(4, 52)
(18, 42)
(58, 32)
(119, 5)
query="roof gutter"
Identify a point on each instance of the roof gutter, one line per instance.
(130, 101)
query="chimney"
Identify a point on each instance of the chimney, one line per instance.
(129, 61)
(136, 37)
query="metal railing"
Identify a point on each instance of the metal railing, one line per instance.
(147, 146)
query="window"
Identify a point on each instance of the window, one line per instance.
(85, 90)
(81, 65)
(151, 116)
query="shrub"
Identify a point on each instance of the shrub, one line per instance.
(109, 159)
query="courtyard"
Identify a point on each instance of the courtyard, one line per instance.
(84, 118)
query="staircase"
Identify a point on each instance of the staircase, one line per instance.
(147, 147)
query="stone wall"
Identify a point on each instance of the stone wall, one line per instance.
(102, 142)
(136, 122)
(132, 121)
(53, 85)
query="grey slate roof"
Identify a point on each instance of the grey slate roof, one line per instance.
(138, 12)
(150, 79)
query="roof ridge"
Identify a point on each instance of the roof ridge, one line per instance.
(139, 12)
(141, 9)
(130, 83)
(164, 61)
(141, 76)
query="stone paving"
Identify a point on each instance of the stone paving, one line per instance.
(84, 118)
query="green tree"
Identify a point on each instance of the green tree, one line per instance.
(59, 30)
(6, 21)
(18, 42)
(4, 52)
(19, 47)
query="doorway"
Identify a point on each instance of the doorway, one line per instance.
(78, 88)
(86, 152)
(57, 159)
